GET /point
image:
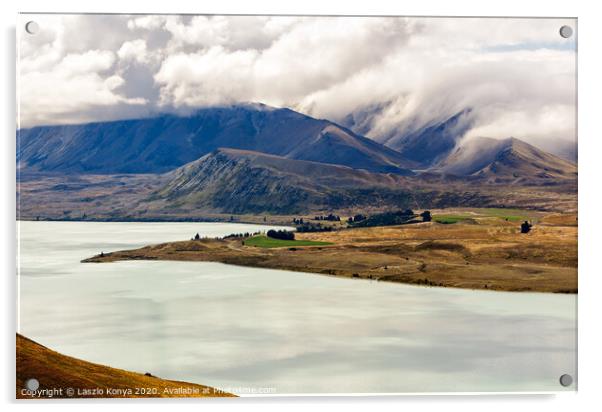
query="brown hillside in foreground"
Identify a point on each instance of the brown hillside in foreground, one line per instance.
(60, 372)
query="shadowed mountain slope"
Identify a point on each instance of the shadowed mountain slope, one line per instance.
(163, 143)
(431, 143)
(243, 182)
(239, 180)
(509, 160)
(253, 158)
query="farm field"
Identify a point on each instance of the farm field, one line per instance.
(268, 242)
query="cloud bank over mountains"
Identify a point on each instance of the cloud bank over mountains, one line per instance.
(386, 76)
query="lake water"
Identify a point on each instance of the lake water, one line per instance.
(250, 330)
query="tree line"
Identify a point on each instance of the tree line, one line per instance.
(281, 234)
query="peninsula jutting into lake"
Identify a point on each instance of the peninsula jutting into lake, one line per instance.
(476, 249)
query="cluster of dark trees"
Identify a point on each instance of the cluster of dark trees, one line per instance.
(407, 213)
(281, 234)
(426, 216)
(230, 236)
(357, 218)
(298, 221)
(241, 235)
(398, 217)
(330, 218)
(314, 227)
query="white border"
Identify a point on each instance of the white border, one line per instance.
(590, 229)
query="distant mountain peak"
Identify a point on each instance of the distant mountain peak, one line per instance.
(434, 141)
(510, 159)
(250, 106)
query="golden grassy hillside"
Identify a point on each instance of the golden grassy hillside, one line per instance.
(66, 377)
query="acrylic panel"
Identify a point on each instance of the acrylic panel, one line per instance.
(291, 205)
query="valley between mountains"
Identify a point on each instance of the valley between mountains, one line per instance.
(253, 162)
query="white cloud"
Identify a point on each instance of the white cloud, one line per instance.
(313, 55)
(517, 75)
(213, 77)
(230, 32)
(133, 50)
(149, 22)
(57, 85)
(495, 85)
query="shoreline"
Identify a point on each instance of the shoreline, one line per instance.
(418, 282)
(277, 221)
(264, 219)
(467, 256)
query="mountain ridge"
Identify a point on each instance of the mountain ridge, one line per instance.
(256, 158)
(163, 143)
(510, 160)
(241, 180)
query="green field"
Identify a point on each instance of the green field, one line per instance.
(512, 215)
(449, 219)
(268, 242)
